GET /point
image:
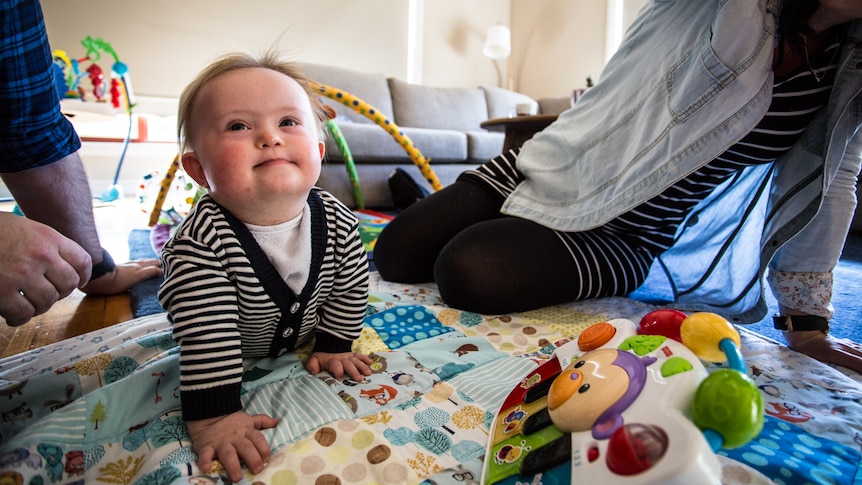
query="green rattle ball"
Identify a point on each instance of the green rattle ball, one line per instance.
(728, 403)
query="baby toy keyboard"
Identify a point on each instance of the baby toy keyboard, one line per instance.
(623, 405)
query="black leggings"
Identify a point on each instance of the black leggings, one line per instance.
(489, 263)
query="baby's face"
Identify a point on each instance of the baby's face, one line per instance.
(255, 141)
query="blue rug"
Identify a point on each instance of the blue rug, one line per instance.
(847, 297)
(144, 295)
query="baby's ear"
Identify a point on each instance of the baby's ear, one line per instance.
(192, 166)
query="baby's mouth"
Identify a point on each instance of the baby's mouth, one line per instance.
(272, 161)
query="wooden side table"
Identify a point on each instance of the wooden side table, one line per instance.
(518, 129)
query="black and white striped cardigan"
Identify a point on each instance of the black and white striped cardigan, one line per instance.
(227, 301)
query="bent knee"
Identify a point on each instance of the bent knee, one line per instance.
(397, 259)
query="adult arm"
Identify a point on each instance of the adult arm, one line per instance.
(58, 195)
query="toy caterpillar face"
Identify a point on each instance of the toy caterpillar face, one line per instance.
(593, 392)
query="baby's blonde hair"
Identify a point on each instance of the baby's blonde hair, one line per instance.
(232, 62)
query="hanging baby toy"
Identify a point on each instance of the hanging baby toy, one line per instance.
(69, 76)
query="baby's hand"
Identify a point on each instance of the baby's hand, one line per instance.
(230, 439)
(351, 363)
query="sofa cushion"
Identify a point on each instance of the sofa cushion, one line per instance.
(439, 146)
(501, 102)
(483, 145)
(369, 87)
(372, 144)
(417, 106)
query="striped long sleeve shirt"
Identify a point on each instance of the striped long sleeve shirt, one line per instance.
(228, 302)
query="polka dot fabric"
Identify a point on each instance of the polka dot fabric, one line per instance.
(404, 325)
(346, 451)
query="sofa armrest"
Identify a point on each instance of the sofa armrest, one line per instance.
(502, 102)
(555, 105)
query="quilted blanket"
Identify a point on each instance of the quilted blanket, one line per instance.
(104, 407)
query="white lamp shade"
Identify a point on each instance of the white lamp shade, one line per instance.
(498, 43)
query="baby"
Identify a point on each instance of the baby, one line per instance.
(265, 262)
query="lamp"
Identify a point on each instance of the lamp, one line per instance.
(498, 45)
(498, 42)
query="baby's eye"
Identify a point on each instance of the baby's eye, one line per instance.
(287, 122)
(236, 126)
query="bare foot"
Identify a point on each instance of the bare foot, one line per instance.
(818, 345)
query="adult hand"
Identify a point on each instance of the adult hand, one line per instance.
(38, 266)
(230, 439)
(123, 277)
(353, 364)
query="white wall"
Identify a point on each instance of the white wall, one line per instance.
(454, 35)
(556, 44)
(166, 42)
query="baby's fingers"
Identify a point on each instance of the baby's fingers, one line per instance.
(258, 457)
(313, 366)
(264, 421)
(227, 456)
(357, 371)
(205, 458)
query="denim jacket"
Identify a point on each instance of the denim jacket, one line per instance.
(697, 77)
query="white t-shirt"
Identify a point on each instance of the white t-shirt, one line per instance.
(288, 247)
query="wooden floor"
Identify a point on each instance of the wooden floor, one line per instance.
(78, 314)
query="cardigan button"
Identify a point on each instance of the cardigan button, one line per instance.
(295, 307)
(287, 332)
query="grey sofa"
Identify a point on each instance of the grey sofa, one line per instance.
(443, 123)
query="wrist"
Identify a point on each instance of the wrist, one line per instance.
(103, 267)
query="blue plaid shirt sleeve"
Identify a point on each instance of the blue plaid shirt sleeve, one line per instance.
(33, 131)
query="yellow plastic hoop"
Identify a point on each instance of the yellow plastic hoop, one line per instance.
(363, 108)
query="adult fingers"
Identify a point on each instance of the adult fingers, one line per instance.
(61, 276)
(68, 273)
(78, 259)
(15, 308)
(35, 296)
(41, 294)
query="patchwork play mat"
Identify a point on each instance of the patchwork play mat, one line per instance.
(104, 407)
